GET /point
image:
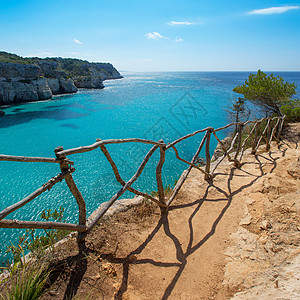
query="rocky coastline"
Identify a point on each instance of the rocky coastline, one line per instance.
(44, 78)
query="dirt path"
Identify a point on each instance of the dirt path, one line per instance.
(197, 250)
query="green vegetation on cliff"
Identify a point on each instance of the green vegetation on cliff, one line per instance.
(73, 67)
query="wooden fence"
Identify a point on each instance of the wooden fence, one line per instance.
(250, 133)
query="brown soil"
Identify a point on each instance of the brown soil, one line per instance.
(196, 251)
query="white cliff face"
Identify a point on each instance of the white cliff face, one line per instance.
(26, 82)
(61, 86)
(16, 91)
(23, 83)
(43, 90)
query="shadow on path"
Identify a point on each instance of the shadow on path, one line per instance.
(163, 224)
(78, 264)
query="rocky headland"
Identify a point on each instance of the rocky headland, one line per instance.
(33, 79)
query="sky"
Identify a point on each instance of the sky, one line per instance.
(164, 35)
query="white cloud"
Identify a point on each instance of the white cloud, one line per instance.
(154, 36)
(178, 40)
(175, 23)
(77, 41)
(272, 10)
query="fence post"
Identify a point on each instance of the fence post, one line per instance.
(268, 134)
(239, 143)
(280, 129)
(253, 151)
(160, 187)
(207, 155)
(77, 195)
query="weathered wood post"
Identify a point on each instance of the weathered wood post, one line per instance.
(207, 155)
(280, 129)
(160, 187)
(239, 144)
(253, 151)
(268, 134)
(273, 131)
(77, 195)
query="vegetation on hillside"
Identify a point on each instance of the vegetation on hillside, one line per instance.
(72, 66)
(272, 93)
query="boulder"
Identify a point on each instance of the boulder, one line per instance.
(294, 169)
(61, 86)
(67, 86)
(54, 85)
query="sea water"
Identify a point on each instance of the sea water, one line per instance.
(141, 105)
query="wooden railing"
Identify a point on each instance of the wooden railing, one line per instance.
(249, 133)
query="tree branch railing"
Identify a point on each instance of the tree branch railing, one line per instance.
(266, 128)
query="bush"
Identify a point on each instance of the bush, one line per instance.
(27, 285)
(292, 111)
(37, 243)
(267, 91)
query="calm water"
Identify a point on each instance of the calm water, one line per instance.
(154, 106)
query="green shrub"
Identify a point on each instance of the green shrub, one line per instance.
(291, 110)
(27, 285)
(37, 243)
(267, 91)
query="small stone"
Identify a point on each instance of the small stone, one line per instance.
(265, 224)
(294, 169)
(246, 220)
(109, 269)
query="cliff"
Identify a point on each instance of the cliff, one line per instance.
(33, 79)
(23, 83)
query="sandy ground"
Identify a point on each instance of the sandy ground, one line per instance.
(236, 236)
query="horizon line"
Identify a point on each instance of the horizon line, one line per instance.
(167, 71)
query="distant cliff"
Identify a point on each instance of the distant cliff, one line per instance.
(33, 79)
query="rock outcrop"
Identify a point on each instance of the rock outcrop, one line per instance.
(19, 71)
(89, 82)
(219, 149)
(97, 73)
(21, 83)
(33, 79)
(24, 83)
(58, 81)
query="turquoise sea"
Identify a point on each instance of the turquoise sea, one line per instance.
(143, 105)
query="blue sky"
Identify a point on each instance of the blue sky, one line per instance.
(156, 35)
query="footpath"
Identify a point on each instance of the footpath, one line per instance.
(234, 237)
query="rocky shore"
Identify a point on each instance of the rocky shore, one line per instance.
(43, 78)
